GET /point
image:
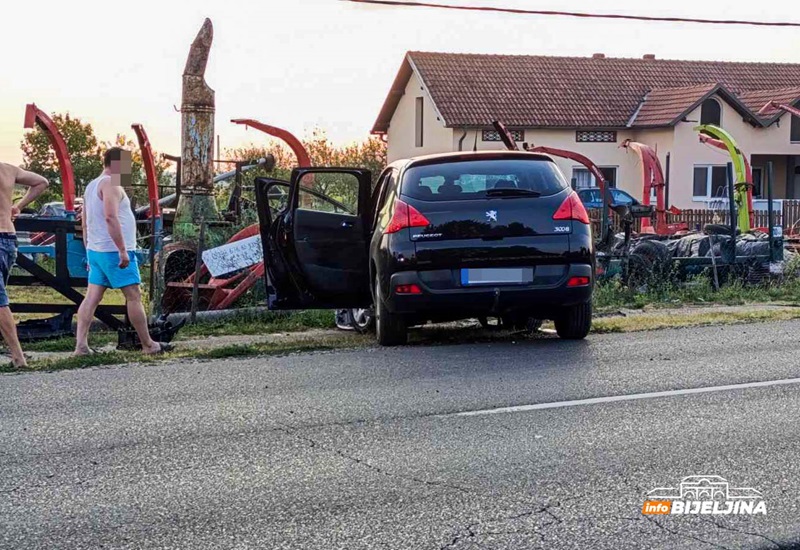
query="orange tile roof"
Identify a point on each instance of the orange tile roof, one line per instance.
(663, 106)
(576, 92)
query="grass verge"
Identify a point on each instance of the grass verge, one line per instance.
(699, 291)
(695, 318)
(321, 343)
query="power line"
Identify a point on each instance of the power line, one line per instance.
(584, 15)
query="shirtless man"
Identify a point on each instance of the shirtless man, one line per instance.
(36, 184)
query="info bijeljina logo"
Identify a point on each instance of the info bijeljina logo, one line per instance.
(704, 494)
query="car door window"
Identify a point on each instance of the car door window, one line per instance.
(590, 195)
(336, 193)
(385, 188)
(621, 198)
(278, 199)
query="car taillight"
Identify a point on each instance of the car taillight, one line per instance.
(579, 281)
(572, 209)
(407, 289)
(404, 216)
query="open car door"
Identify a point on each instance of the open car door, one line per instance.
(314, 232)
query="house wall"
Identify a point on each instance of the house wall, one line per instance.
(401, 135)
(688, 152)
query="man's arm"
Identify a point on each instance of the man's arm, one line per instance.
(35, 183)
(112, 195)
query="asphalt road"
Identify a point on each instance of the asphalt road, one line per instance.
(369, 449)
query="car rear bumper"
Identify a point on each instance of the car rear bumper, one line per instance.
(443, 295)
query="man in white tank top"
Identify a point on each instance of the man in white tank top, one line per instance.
(109, 233)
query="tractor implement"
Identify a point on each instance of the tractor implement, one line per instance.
(653, 178)
(34, 116)
(743, 187)
(222, 292)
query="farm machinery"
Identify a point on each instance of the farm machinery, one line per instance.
(662, 250)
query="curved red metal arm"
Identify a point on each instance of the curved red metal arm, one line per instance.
(748, 170)
(577, 157)
(774, 105)
(149, 169)
(652, 176)
(35, 116)
(303, 159)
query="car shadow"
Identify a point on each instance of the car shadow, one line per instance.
(472, 332)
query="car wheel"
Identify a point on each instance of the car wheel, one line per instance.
(362, 319)
(390, 328)
(574, 322)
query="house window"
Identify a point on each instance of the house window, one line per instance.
(582, 178)
(418, 123)
(758, 182)
(595, 136)
(711, 112)
(494, 135)
(795, 130)
(710, 181)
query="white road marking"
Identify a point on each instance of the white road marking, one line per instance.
(631, 397)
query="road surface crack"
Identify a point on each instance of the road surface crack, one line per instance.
(361, 462)
(471, 534)
(740, 531)
(676, 532)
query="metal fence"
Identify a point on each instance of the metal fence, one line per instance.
(787, 215)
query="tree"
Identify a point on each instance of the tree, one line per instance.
(369, 154)
(86, 153)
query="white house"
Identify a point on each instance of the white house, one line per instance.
(443, 102)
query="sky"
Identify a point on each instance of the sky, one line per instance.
(301, 64)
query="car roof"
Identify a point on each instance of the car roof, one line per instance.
(469, 155)
(598, 189)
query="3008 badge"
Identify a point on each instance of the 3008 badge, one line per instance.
(562, 229)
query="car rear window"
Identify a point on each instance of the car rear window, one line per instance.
(472, 179)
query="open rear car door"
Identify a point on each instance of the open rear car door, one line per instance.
(314, 232)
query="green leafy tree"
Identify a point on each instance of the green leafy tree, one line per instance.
(369, 154)
(86, 153)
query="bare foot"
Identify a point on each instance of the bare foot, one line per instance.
(157, 347)
(80, 352)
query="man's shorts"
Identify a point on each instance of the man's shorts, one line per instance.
(104, 270)
(8, 255)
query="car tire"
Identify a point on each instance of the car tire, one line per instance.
(574, 322)
(390, 328)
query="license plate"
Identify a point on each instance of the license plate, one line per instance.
(497, 276)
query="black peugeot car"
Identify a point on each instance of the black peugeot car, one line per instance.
(438, 238)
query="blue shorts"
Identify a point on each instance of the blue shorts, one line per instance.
(104, 270)
(8, 255)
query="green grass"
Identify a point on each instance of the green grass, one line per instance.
(260, 323)
(322, 343)
(636, 323)
(613, 295)
(245, 324)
